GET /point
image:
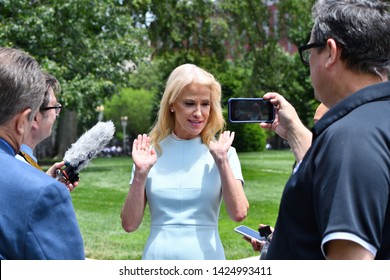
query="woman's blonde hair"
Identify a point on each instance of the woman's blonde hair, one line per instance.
(181, 77)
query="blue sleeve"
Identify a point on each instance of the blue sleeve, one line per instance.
(53, 231)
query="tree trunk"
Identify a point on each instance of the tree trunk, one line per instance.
(66, 132)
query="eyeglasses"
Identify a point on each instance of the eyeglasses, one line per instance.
(58, 108)
(305, 51)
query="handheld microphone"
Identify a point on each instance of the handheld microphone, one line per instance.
(87, 147)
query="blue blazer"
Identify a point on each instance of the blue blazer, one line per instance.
(37, 218)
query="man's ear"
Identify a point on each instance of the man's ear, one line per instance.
(35, 122)
(334, 52)
(22, 120)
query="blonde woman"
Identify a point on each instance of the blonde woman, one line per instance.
(183, 171)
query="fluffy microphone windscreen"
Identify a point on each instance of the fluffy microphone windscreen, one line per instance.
(89, 145)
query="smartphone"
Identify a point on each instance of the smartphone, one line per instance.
(250, 110)
(248, 232)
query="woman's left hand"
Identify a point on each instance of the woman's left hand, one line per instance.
(218, 149)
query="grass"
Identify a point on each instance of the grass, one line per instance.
(104, 184)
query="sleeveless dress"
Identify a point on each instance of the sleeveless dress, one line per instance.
(184, 195)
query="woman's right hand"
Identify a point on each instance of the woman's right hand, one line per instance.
(144, 156)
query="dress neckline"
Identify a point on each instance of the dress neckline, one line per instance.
(177, 138)
(174, 136)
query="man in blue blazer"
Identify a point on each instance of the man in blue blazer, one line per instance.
(37, 219)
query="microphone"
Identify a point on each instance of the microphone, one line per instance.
(87, 147)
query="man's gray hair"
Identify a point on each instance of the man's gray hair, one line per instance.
(22, 83)
(360, 27)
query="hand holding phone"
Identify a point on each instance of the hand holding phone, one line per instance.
(249, 233)
(250, 110)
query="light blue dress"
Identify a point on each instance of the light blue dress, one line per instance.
(184, 194)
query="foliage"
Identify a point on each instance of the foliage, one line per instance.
(248, 137)
(136, 105)
(295, 20)
(151, 77)
(269, 71)
(84, 43)
(182, 26)
(148, 76)
(249, 23)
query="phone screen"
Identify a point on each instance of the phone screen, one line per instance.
(250, 110)
(248, 232)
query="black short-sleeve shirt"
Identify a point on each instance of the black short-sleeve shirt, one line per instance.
(343, 183)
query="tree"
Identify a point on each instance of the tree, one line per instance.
(84, 43)
(136, 105)
(182, 26)
(295, 20)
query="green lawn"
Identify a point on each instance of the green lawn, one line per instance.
(103, 187)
